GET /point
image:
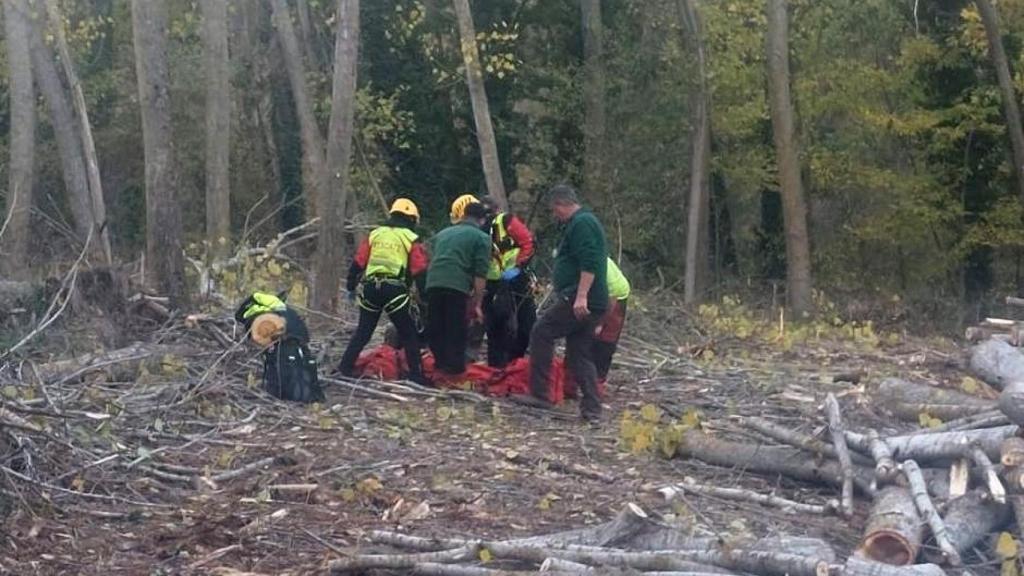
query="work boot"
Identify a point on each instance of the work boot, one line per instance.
(592, 418)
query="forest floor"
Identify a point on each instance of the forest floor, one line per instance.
(115, 485)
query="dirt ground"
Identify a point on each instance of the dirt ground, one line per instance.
(427, 465)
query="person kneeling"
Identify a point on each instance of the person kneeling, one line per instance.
(289, 368)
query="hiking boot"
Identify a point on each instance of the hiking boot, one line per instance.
(592, 418)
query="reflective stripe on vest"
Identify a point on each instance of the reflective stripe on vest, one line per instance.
(389, 251)
(504, 252)
(263, 302)
(618, 286)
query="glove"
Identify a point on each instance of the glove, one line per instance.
(511, 274)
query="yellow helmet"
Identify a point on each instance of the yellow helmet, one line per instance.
(407, 207)
(459, 206)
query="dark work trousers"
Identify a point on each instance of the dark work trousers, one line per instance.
(509, 314)
(447, 324)
(391, 298)
(606, 341)
(558, 321)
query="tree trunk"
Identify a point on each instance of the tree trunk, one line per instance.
(942, 446)
(856, 566)
(15, 225)
(329, 261)
(972, 517)
(594, 183)
(218, 126)
(990, 19)
(164, 258)
(481, 110)
(314, 167)
(306, 33)
(69, 145)
(698, 209)
(92, 165)
(798, 253)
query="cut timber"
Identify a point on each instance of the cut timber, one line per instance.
(860, 567)
(997, 363)
(972, 517)
(919, 491)
(942, 446)
(894, 529)
(959, 477)
(1011, 402)
(1011, 452)
(783, 460)
(797, 439)
(907, 400)
(1014, 478)
(742, 495)
(1017, 505)
(838, 431)
(995, 487)
(885, 466)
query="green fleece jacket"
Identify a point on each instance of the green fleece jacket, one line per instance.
(583, 249)
(458, 254)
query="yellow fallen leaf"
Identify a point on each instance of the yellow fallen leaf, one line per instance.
(650, 413)
(969, 385)
(485, 555)
(1006, 546)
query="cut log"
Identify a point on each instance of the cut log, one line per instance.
(1011, 402)
(436, 569)
(1017, 505)
(1014, 479)
(919, 491)
(797, 439)
(941, 446)
(838, 431)
(894, 529)
(959, 477)
(997, 363)
(908, 400)
(1011, 452)
(783, 460)
(740, 494)
(559, 566)
(630, 523)
(972, 517)
(995, 487)
(885, 465)
(860, 567)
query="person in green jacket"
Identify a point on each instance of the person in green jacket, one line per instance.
(609, 330)
(579, 300)
(460, 256)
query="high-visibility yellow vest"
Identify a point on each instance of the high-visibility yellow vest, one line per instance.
(263, 302)
(504, 251)
(618, 286)
(389, 251)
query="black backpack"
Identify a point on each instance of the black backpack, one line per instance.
(290, 372)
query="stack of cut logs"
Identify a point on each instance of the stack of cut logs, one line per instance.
(932, 496)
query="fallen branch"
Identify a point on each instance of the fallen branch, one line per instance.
(987, 419)
(885, 465)
(244, 470)
(740, 494)
(894, 531)
(837, 431)
(908, 400)
(995, 487)
(919, 491)
(796, 439)
(402, 561)
(562, 467)
(942, 446)
(364, 389)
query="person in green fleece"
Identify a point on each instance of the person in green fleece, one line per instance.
(579, 300)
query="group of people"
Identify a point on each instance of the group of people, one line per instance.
(477, 271)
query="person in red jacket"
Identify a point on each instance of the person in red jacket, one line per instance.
(388, 261)
(509, 309)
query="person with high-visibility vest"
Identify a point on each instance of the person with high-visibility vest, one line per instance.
(609, 330)
(380, 280)
(509, 309)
